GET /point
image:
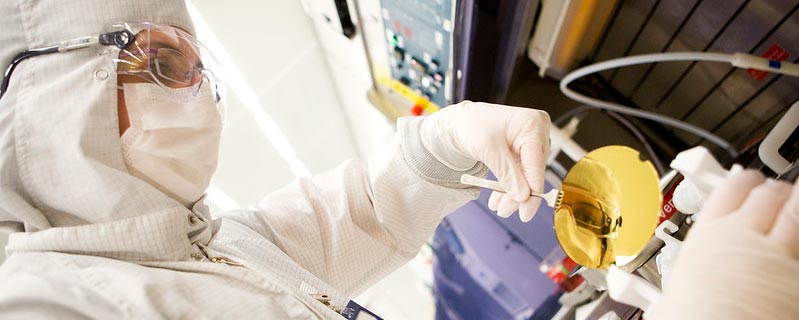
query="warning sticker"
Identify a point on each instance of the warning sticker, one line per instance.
(775, 52)
(667, 208)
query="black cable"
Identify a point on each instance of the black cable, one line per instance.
(120, 39)
(569, 114)
(624, 122)
(640, 136)
(19, 58)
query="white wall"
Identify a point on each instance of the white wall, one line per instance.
(346, 60)
(284, 116)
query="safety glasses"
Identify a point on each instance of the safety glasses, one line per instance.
(148, 52)
(169, 57)
(590, 213)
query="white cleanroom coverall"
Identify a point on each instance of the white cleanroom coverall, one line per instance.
(101, 243)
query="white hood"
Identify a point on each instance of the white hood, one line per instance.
(60, 156)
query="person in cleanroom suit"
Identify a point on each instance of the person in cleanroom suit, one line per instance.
(105, 152)
(589, 213)
(104, 158)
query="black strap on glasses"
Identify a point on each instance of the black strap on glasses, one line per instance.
(120, 39)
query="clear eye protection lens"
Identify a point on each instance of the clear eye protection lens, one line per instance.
(590, 217)
(175, 68)
(171, 58)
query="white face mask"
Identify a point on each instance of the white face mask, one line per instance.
(173, 139)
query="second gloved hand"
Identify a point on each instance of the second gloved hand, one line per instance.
(513, 142)
(741, 258)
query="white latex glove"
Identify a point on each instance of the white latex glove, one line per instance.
(741, 259)
(512, 142)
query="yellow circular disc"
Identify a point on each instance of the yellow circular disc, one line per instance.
(609, 208)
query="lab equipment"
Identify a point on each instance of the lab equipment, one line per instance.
(721, 227)
(734, 104)
(567, 33)
(780, 144)
(486, 267)
(552, 197)
(608, 206)
(419, 38)
(702, 174)
(734, 243)
(588, 218)
(668, 254)
(426, 55)
(739, 60)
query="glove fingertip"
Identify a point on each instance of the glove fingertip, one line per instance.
(519, 191)
(525, 216)
(509, 174)
(504, 214)
(528, 209)
(507, 207)
(494, 200)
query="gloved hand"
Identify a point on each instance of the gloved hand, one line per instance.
(741, 259)
(512, 142)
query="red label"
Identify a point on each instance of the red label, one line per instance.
(417, 110)
(667, 208)
(572, 283)
(560, 272)
(775, 52)
(408, 32)
(556, 274)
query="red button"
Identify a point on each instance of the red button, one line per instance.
(416, 110)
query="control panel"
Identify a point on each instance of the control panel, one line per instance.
(419, 39)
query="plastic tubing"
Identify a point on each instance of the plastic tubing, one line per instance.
(643, 59)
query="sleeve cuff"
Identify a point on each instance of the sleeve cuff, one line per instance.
(423, 163)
